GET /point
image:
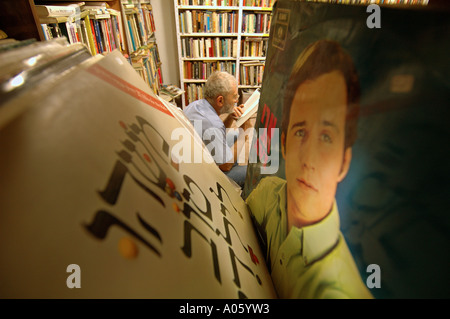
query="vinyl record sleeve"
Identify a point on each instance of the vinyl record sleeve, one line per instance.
(393, 200)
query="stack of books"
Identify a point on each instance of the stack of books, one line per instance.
(96, 26)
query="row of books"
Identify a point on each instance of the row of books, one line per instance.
(208, 47)
(146, 61)
(254, 47)
(251, 73)
(149, 20)
(420, 2)
(140, 24)
(192, 21)
(103, 23)
(234, 3)
(200, 70)
(219, 47)
(144, 54)
(367, 2)
(193, 92)
(99, 29)
(221, 3)
(53, 30)
(256, 22)
(222, 47)
(259, 3)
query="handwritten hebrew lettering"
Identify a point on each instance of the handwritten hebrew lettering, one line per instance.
(104, 220)
(187, 247)
(112, 190)
(207, 210)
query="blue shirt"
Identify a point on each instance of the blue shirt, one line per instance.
(210, 128)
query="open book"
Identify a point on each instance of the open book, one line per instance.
(250, 108)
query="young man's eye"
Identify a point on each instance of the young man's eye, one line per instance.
(326, 138)
(300, 133)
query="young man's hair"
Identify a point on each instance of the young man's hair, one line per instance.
(219, 83)
(321, 57)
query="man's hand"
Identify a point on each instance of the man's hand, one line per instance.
(231, 117)
(238, 111)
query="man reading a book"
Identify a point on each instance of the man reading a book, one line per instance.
(221, 96)
(297, 218)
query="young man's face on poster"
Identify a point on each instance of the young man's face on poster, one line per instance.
(313, 148)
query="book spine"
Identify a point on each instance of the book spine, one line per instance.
(71, 31)
(84, 35)
(106, 37)
(55, 11)
(94, 37)
(131, 35)
(140, 28)
(135, 32)
(45, 31)
(114, 32)
(121, 32)
(98, 36)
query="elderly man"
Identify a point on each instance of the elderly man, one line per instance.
(221, 96)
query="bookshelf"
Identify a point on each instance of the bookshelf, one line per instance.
(20, 19)
(228, 35)
(103, 26)
(139, 26)
(99, 28)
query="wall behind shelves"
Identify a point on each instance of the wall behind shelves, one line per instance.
(163, 13)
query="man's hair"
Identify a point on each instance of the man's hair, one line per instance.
(321, 57)
(219, 83)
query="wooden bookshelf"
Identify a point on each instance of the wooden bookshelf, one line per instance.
(19, 20)
(142, 49)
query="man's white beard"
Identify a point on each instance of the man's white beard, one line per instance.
(227, 109)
